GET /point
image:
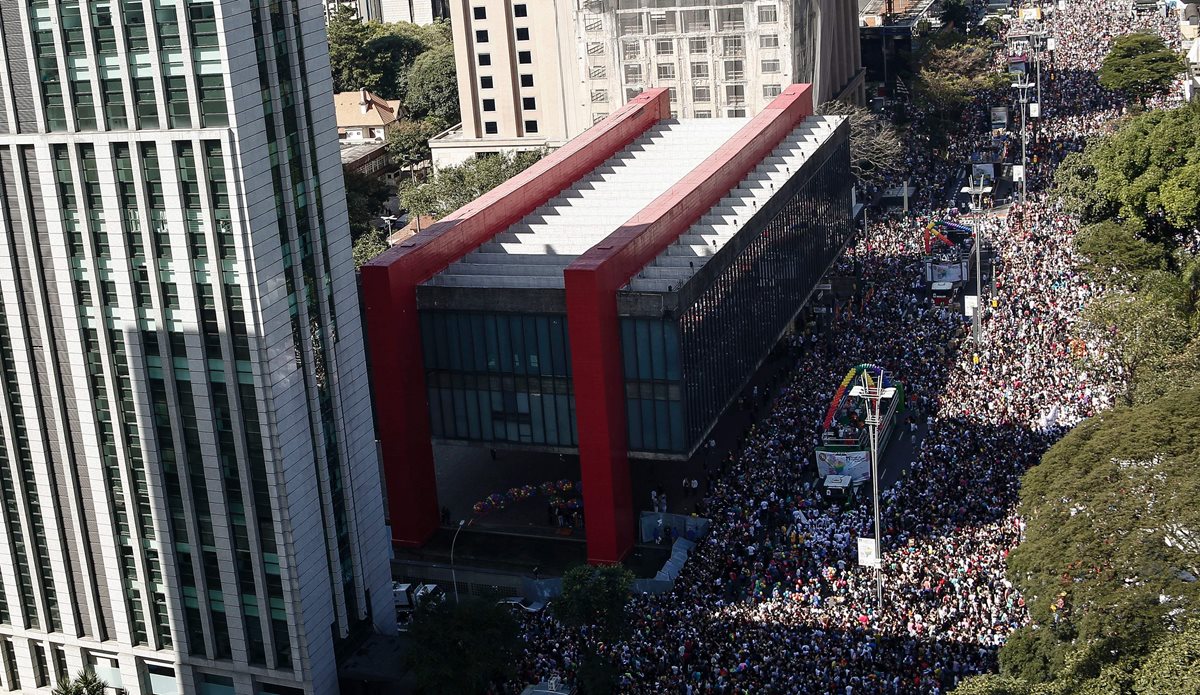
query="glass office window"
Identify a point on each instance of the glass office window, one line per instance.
(653, 385)
(499, 377)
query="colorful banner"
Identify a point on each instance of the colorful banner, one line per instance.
(856, 464)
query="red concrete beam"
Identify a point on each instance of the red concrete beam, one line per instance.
(389, 287)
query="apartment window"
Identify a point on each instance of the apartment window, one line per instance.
(480, 12)
(770, 66)
(528, 103)
(664, 47)
(731, 19)
(631, 92)
(666, 71)
(531, 126)
(662, 21)
(485, 82)
(772, 90)
(733, 46)
(526, 80)
(768, 41)
(489, 104)
(598, 72)
(489, 127)
(481, 36)
(633, 74)
(630, 24)
(699, 70)
(734, 70)
(524, 57)
(520, 11)
(599, 96)
(593, 24)
(631, 50)
(696, 21)
(703, 114)
(735, 113)
(597, 117)
(735, 94)
(485, 59)
(673, 94)
(522, 34)
(178, 103)
(768, 14)
(701, 93)
(698, 46)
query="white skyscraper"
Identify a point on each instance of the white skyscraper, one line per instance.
(188, 476)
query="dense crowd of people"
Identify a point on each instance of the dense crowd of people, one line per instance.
(773, 600)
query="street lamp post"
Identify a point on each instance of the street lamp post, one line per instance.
(872, 394)
(453, 573)
(1023, 90)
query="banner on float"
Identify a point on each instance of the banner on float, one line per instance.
(856, 464)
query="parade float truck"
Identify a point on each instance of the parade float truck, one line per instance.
(844, 450)
(949, 259)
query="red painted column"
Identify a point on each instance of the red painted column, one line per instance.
(599, 382)
(402, 413)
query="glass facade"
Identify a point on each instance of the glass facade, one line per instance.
(732, 325)
(653, 385)
(499, 377)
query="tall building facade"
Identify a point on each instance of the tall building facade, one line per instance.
(535, 73)
(188, 472)
(415, 11)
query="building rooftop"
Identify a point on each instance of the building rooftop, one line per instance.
(533, 252)
(365, 109)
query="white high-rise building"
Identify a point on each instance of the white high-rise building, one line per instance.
(189, 483)
(536, 73)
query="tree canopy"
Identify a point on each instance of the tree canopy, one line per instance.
(1109, 560)
(952, 69)
(377, 56)
(1149, 170)
(1140, 65)
(596, 598)
(463, 647)
(453, 187)
(408, 141)
(84, 683)
(875, 145)
(432, 85)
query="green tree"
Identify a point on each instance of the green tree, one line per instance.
(1148, 171)
(462, 648)
(453, 187)
(596, 597)
(1075, 183)
(992, 684)
(1173, 668)
(433, 86)
(365, 199)
(377, 56)
(956, 12)
(1116, 249)
(408, 141)
(85, 683)
(951, 71)
(1110, 513)
(368, 245)
(1140, 65)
